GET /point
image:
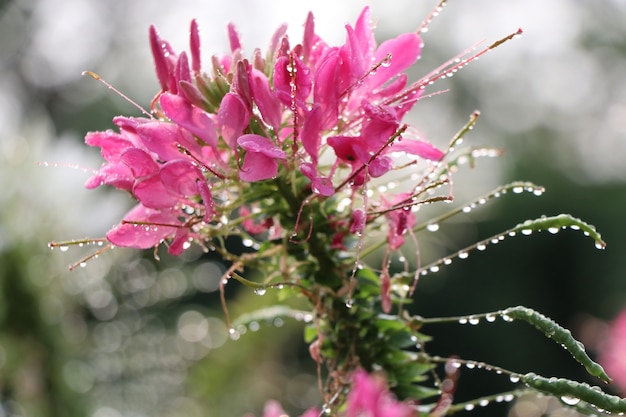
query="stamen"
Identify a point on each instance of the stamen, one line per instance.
(434, 13)
(124, 96)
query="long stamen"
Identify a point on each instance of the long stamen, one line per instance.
(445, 69)
(118, 92)
(434, 13)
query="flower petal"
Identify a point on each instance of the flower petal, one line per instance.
(195, 120)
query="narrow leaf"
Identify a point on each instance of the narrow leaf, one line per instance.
(560, 335)
(570, 391)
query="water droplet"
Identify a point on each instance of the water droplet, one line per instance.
(466, 209)
(570, 400)
(463, 320)
(447, 261)
(474, 321)
(490, 318)
(433, 227)
(553, 230)
(463, 255)
(469, 407)
(470, 365)
(82, 264)
(260, 291)
(518, 190)
(483, 403)
(599, 245)
(537, 191)
(254, 326)
(481, 246)
(514, 378)
(434, 268)
(509, 397)
(506, 317)
(63, 248)
(527, 232)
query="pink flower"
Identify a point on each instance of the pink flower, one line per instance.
(245, 119)
(613, 352)
(369, 397)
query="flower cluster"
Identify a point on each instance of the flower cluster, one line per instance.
(315, 118)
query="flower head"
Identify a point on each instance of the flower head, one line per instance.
(253, 119)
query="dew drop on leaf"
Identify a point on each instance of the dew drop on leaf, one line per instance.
(570, 400)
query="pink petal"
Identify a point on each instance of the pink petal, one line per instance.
(182, 70)
(380, 166)
(117, 175)
(179, 177)
(194, 47)
(267, 102)
(233, 117)
(349, 149)
(283, 78)
(311, 134)
(404, 51)
(163, 139)
(160, 51)
(190, 117)
(260, 144)
(140, 163)
(326, 93)
(152, 193)
(417, 147)
(233, 37)
(319, 185)
(357, 224)
(256, 167)
(177, 246)
(111, 144)
(143, 236)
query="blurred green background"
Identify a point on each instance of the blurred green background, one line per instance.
(127, 336)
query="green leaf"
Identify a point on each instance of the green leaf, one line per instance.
(560, 335)
(555, 223)
(571, 391)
